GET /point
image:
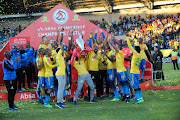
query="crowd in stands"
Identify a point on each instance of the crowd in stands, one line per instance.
(6, 33)
(161, 29)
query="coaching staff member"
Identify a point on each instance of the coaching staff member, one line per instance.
(10, 78)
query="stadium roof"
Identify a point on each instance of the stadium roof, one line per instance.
(9, 7)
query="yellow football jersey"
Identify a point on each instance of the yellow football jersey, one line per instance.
(103, 58)
(111, 65)
(81, 69)
(39, 61)
(61, 66)
(54, 54)
(85, 60)
(93, 61)
(45, 46)
(120, 61)
(136, 59)
(48, 66)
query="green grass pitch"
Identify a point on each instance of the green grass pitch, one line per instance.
(158, 105)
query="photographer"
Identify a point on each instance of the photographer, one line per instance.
(157, 57)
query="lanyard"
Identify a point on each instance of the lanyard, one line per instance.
(8, 61)
(95, 56)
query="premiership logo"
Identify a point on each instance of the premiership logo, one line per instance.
(60, 16)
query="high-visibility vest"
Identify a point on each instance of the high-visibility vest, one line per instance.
(174, 55)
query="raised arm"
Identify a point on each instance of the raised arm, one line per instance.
(57, 36)
(149, 54)
(106, 38)
(13, 51)
(116, 49)
(61, 39)
(62, 48)
(91, 38)
(110, 58)
(129, 45)
(70, 40)
(109, 42)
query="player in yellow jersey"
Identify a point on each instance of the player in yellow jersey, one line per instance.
(93, 64)
(55, 50)
(83, 75)
(103, 73)
(49, 78)
(111, 71)
(121, 71)
(95, 58)
(41, 74)
(61, 76)
(45, 43)
(143, 48)
(134, 72)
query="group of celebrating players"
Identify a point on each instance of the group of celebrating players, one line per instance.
(56, 67)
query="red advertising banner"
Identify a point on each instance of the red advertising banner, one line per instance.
(18, 41)
(21, 96)
(148, 72)
(57, 18)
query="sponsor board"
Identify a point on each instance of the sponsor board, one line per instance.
(146, 85)
(22, 96)
(18, 41)
(166, 60)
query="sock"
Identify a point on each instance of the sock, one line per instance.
(47, 98)
(140, 94)
(142, 74)
(137, 94)
(115, 92)
(40, 98)
(55, 90)
(43, 98)
(126, 89)
(39, 92)
(123, 88)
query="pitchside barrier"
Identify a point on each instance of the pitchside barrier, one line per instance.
(169, 60)
(21, 96)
